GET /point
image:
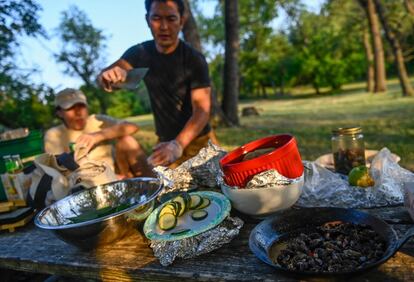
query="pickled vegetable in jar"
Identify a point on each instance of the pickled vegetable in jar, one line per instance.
(348, 148)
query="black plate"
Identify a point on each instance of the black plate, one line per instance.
(274, 231)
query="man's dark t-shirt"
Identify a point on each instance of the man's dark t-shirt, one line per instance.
(169, 81)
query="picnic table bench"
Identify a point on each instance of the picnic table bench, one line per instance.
(34, 250)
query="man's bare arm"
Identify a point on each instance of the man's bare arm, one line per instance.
(200, 100)
(166, 153)
(122, 129)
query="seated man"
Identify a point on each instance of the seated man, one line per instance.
(94, 132)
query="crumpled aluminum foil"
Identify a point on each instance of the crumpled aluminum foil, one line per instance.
(265, 179)
(200, 170)
(324, 188)
(168, 251)
(269, 178)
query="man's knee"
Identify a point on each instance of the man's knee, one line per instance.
(127, 143)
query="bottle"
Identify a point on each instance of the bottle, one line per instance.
(8, 163)
(8, 178)
(72, 146)
(348, 148)
(17, 164)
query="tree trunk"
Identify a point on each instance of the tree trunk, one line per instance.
(379, 64)
(409, 5)
(191, 36)
(396, 48)
(264, 91)
(103, 103)
(190, 30)
(316, 87)
(282, 81)
(370, 62)
(231, 68)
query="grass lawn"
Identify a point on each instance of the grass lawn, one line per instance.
(387, 120)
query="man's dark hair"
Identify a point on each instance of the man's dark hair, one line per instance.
(180, 5)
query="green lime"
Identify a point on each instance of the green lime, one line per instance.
(359, 176)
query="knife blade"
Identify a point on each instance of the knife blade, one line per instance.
(134, 77)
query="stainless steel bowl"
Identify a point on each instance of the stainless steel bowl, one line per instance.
(138, 193)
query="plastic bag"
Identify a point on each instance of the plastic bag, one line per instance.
(324, 188)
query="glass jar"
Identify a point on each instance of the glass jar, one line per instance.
(348, 148)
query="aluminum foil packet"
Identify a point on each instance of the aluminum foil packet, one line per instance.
(200, 170)
(265, 179)
(324, 188)
(269, 178)
(168, 251)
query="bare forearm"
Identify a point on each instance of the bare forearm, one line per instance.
(200, 100)
(166, 153)
(116, 131)
(192, 128)
(119, 63)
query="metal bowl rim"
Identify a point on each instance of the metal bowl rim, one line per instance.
(101, 219)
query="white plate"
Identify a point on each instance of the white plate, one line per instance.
(327, 160)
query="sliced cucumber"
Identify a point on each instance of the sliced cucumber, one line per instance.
(180, 209)
(199, 215)
(176, 205)
(167, 221)
(196, 201)
(187, 199)
(167, 209)
(172, 207)
(204, 204)
(182, 201)
(169, 213)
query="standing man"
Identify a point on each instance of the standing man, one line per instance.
(103, 137)
(177, 81)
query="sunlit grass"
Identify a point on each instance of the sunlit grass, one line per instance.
(387, 120)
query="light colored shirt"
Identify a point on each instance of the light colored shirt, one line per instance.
(58, 138)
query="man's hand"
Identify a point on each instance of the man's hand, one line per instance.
(165, 153)
(112, 76)
(87, 141)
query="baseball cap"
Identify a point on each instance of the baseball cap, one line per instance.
(69, 97)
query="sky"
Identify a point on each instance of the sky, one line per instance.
(122, 21)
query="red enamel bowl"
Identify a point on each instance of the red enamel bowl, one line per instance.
(284, 158)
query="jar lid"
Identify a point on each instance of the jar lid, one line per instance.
(347, 130)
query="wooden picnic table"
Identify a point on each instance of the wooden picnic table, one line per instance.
(34, 250)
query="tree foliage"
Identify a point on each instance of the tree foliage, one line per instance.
(323, 48)
(22, 103)
(391, 34)
(320, 48)
(83, 49)
(328, 46)
(17, 18)
(82, 52)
